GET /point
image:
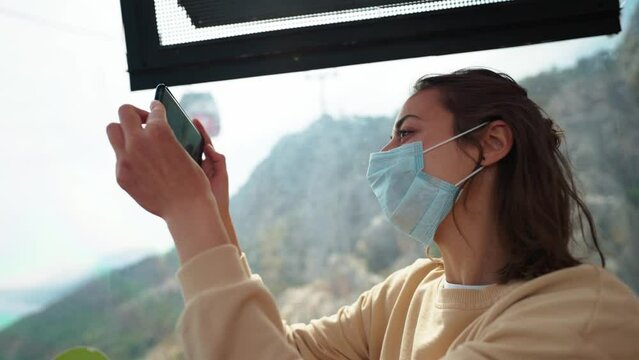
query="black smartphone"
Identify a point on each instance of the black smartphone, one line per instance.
(181, 124)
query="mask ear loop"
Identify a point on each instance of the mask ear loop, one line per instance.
(464, 179)
(469, 176)
(454, 137)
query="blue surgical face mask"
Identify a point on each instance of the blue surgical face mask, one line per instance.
(414, 201)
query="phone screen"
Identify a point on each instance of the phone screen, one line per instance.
(184, 130)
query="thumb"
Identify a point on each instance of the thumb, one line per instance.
(158, 113)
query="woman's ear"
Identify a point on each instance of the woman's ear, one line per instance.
(496, 141)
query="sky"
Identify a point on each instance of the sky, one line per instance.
(64, 76)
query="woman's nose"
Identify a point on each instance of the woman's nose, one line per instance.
(388, 146)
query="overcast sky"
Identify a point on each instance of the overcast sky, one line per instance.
(63, 77)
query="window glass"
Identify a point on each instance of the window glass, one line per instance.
(83, 264)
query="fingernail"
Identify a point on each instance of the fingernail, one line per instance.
(154, 103)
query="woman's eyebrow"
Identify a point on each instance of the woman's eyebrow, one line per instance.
(399, 122)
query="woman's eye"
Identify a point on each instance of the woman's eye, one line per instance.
(404, 133)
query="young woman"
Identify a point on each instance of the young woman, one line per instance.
(472, 164)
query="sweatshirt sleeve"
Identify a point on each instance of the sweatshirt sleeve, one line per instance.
(229, 314)
(340, 336)
(357, 331)
(600, 322)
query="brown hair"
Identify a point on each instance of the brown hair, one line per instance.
(538, 203)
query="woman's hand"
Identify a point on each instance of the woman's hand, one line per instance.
(214, 166)
(158, 173)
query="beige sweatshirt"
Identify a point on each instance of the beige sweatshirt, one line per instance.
(582, 312)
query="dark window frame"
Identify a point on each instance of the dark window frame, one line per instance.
(498, 25)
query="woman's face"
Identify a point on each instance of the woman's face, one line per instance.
(423, 118)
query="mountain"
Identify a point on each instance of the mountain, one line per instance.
(127, 312)
(16, 303)
(310, 199)
(629, 52)
(313, 230)
(124, 313)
